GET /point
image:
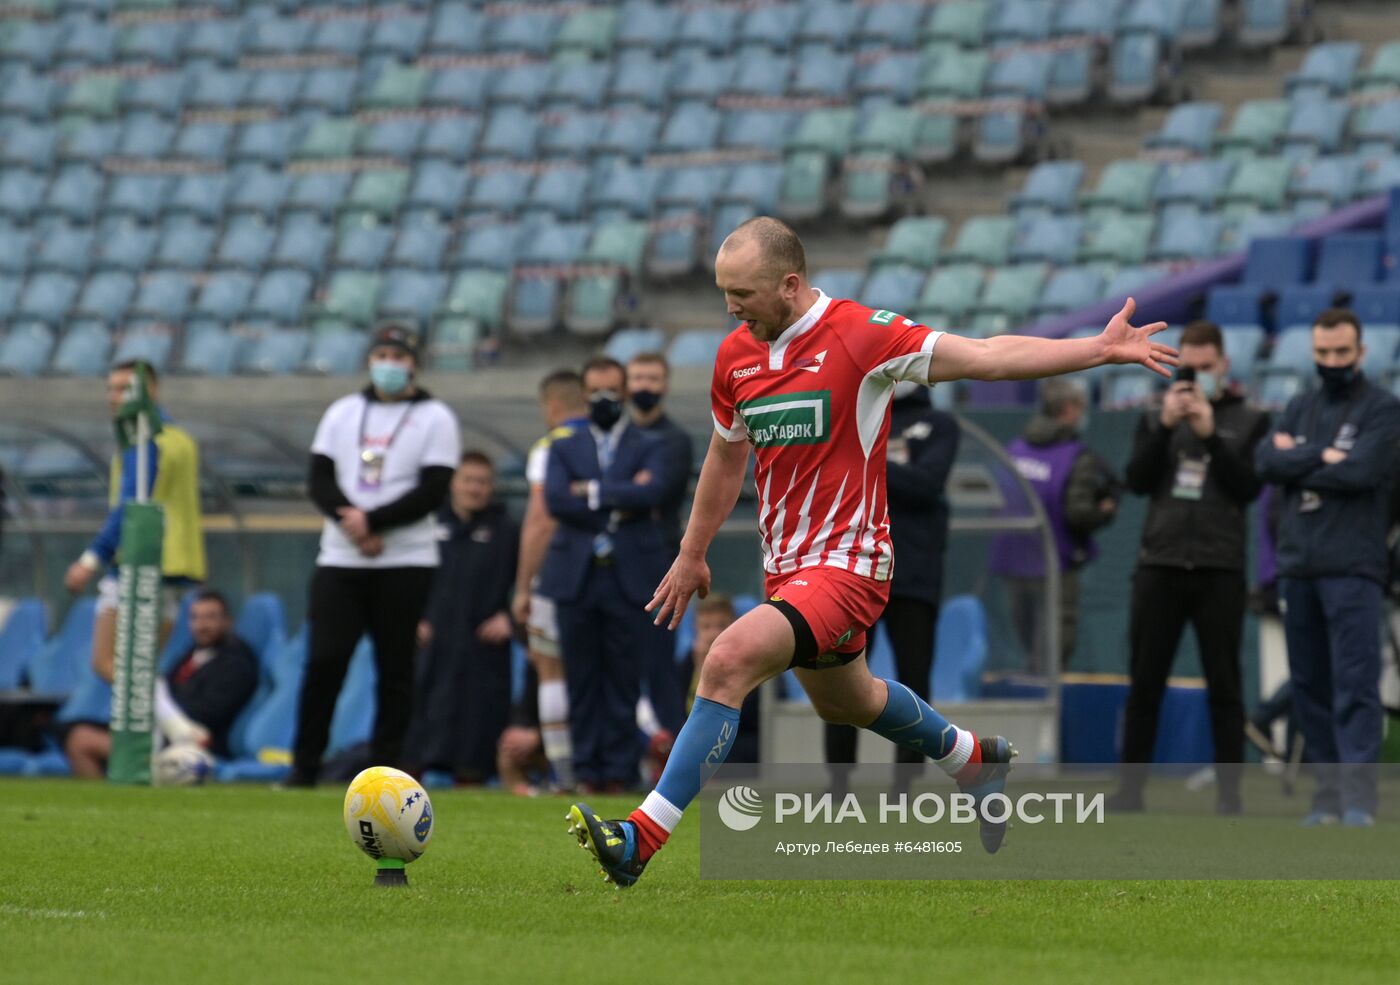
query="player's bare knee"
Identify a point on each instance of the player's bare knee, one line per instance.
(839, 712)
(728, 674)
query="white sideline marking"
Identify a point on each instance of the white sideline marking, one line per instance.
(31, 911)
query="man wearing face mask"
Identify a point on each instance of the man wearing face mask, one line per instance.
(1193, 457)
(602, 484)
(923, 444)
(381, 463)
(1079, 492)
(648, 376)
(1334, 456)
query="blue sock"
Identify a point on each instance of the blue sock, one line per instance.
(703, 744)
(908, 720)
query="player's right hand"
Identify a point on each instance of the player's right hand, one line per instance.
(76, 578)
(687, 576)
(520, 608)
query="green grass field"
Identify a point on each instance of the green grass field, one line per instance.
(247, 884)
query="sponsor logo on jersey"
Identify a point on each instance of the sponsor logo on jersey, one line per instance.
(882, 317)
(802, 418)
(812, 364)
(740, 374)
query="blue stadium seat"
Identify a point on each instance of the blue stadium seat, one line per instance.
(695, 349)
(890, 25)
(531, 31)
(281, 296)
(47, 297)
(1051, 186)
(1198, 184)
(162, 93)
(502, 190)
(642, 78)
(201, 196)
(338, 36)
(1138, 68)
(224, 296)
(627, 189)
(707, 27)
(534, 301)
(354, 709)
(1189, 127)
(1376, 306)
(1163, 19)
(29, 145)
(276, 36)
(412, 294)
(76, 193)
(1315, 127)
(274, 350)
(272, 726)
(321, 192)
(1328, 69)
(1325, 182)
(1350, 259)
(246, 243)
(185, 244)
(770, 26)
(823, 74)
(212, 41)
(625, 343)
(267, 142)
(83, 350)
(510, 132)
(893, 76)
(1375, 130)
(21, 639)
(32, 43)
(1232, 305)
(520, 85)
(1202, 24)
(145, 136)
(1382, 340)
(575, 136)
(421, 244)
(1005, 135)
(1300, 304)
(578, 84)
(892, 287)
(694, 187)
(1085, 17)
(450, 138)
(27, 94)
(140, 196)
(338, 351)
(20, 194)
(17, 245)
(364, 246)
(124, 244)
(64, 247)
(56, 667)
(303, 242)
(273, 90)
(1187, 236)
(1069, 289)
(400, 37)
(332, 90)
(766, 75)
(151, 342)
(757, 184)
(1049, 239)
(561, 192)
(489, 247)
(106, 295)
(827, 23)
(24, 351)
(1020, 22)
(217, 89)
(91, 143)
(839, 283)
(1274, 262)
(1027, 76)
(463, 88)
(209, 349)
(701, 77)
(1292, 351)
(85, 41)
(438, 186)
(205, 143)
(456, 29)
(630, 134)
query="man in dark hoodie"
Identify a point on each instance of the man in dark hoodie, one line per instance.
(1079, 492)
(1193, 457)
(462, 690)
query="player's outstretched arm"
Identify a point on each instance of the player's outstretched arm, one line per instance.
(716, 492)
(1023, 357)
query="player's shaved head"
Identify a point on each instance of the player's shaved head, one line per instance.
(565, 386)
(779, 249)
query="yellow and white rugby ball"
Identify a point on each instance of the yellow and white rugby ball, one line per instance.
(388, 814)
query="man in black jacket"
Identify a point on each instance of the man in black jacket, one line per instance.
(1334, 454)
(198, 701)
(1194, 458)
(923, 444)
(462, 685)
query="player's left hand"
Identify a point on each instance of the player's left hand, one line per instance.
(495, 630)
(1125, 344)
(353, 523)
(76, 578)
(1201, 417)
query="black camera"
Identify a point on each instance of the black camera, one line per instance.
(1185, 374)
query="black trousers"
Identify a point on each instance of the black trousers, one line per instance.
(1164, 600)
(911, 624)
(345, 604)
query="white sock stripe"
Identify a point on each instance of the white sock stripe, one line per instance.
(662, 811)
(962, 752)
(554, 702)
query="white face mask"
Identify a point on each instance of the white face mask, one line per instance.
(1209, 384)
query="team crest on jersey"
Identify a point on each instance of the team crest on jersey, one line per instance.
(883, 317)
(788, 419)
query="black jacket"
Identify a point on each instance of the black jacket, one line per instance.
(1209, 532)
(476, 571)
(918, 503)
(680, 453)
(215, 689)
(1345, 533)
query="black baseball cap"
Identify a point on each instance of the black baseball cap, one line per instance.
(399, 336)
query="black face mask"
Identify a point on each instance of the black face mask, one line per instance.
(1336, 379)
(645, 400)
(604, 409)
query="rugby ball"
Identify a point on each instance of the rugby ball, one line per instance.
(388, 814)
(181, 765)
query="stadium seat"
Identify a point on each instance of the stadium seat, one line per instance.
(894, 76)
(106, 295)
(1259, 183)
(892, 288)
(1124, 186)
(1266, 23)
(224, 296)
(259, 191)
(83, 350)
(891, 25)
(76, 193)
(1327, 70)
(1049, 239)
(1069, 289)
(201, 196)
(438, 186)
(209, 349)
(329, 138)
(399, 87)
(1123, 239)
(1051, 186)
(695, 349)
(452, 344)
(344, 36)
(400, 37)
(350, 297)
(24, 351)
(838, 282)
(502, 190)
(89, 143)
(1256, 127)
(140, 196)
(321, 192)
(701, 77)
(362, 245)
(620, 244)
(1139, 69)
(629, 134)
(144, 136)
(455, 29)
(1292, 352)
(578, 84)
(1382, 340)
(1187, 236)
(914, 241)
(21, 639)
(625, 343)
(587, 32)
(1026, 76)
(491, 247)
(421, 245)
(1008, 298)
(1302, 303)
(150, 342)
(873, 184)
(691, 128)
(329, 90)
(478, 295)
(949, 295)
(462, 88)
(378, 192)
(1384, 70)
(1201, 25)
(984, 240)
(303, 242)
(29, 145)
(47, 297)
(271, 728)
(1350, 259)
(281, 296)
(1197, 184)
(531, 31)
(92, 96)
(1325, 183)
(757, 129)
(955, 75)
(1315, 127)
(246, 243)
(64, 247)
(57, 666)
(511, 133)
(960, 650)
(1072, 76)
(336, 351)
(765, 76)
(217, 89)
(413, 294)
(1230, 305)
(274, 351)
(592, 302)
(1377, 307)
(1375, 130)
(1274, 262)
(1189, 127)
(963, 22)
(520, 85)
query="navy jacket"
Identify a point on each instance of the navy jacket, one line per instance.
(680, 453)
(918, 503)
(626, 511)
(1345, 534)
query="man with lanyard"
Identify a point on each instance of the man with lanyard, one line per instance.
(1334, 454)
(381, 463)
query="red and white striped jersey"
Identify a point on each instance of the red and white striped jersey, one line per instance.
(815, 405)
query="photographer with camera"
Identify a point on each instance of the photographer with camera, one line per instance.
(1194, 458)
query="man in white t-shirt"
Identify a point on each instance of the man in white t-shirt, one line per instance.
(381, 463)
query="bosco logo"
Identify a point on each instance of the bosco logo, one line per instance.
(740, 808)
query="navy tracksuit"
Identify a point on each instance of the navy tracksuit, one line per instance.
(1333, 564)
